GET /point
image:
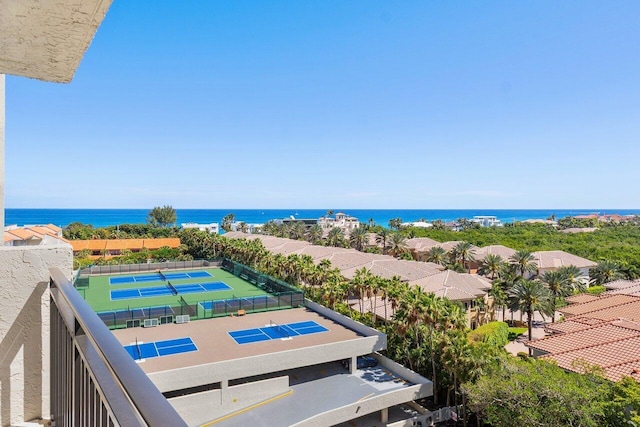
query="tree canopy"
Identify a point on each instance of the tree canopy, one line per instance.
(162, 216)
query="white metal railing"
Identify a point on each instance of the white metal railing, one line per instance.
(94, 381)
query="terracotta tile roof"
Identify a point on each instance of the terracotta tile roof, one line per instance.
(614, 346)
(25, 234)
(573, 325)
(375, 304)
(319, 252)
(348, 261)
(616, 358)
(631, 290)
(604, 302)
(621, 284)
(8, 237)
(629, 311)
(583, 338)
(388, 267)
(120, 244)
(421, 244)
(557, 259)
(44, 230)
(455, 286)
(152, 244)
(447, 246)
(504, 252)
(628, 369)
(92, 245)
(580, 298)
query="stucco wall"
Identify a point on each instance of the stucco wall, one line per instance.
(199, 408)
(363, 407)
(262, 364)
(24, 329)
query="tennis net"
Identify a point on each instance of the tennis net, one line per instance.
(172, 288)
(280, 329)
(162, 276)
(138, 349)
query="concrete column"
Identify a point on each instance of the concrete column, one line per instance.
(384, 415)
(2, 124)
(24, 329)
(354, 364)
(224, 392)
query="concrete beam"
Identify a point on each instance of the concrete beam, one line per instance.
(46, 39)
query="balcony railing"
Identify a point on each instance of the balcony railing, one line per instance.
(94, 381)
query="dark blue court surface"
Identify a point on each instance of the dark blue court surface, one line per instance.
(155, 277)
(163, 291)
(274, 332)
(148, 350)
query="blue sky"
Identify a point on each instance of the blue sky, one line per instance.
(361, 104)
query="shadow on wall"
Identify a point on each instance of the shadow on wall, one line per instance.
(22, 346)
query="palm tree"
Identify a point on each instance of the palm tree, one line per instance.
(269, 228)
(359, 285)
(500, 297)
(227, 221)
(437, 255)
(457, 354)
(523, 262)
(381, 238)
(359, 238)
(295, 230)
(433, 315)
(335, 237)
(411, 307)
(463, 252)
(605, 272)
(314, 234)
(491, 266)
(398, 244)
(530, 296)
(395, 223)
(558, 287)
(574, 278)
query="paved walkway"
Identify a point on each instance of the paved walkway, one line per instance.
(517, 346)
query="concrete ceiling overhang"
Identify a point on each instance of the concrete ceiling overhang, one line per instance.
(46, 39)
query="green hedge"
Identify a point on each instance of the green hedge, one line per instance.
(596, 290)
(493, 333)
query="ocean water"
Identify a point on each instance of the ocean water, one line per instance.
(107, 217)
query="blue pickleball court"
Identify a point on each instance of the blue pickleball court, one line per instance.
(275, 331)
(149, 350)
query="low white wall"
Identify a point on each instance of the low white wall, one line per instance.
(24, 329)
(403, 371)
(262, 364)
(381, 343)
(364, 407)
(198, 408)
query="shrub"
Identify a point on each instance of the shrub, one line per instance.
(493, 333)
(596, 290)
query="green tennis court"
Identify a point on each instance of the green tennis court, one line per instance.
(99, 292)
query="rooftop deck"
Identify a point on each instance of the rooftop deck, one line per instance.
(214, 343)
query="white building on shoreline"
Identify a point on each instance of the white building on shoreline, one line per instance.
(212, 228)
